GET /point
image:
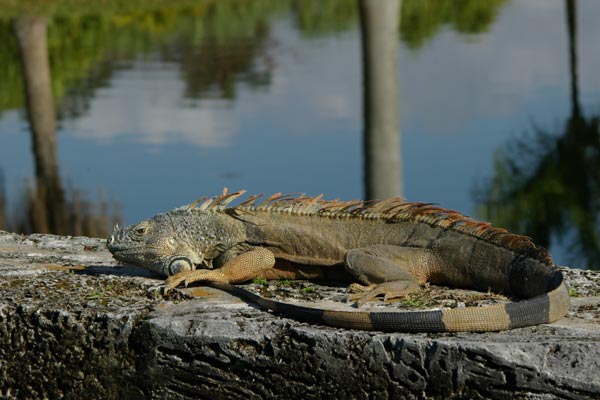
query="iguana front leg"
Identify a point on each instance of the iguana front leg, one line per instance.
(389, 271)
(241, 268)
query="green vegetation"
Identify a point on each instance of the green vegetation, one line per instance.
(12, 95)
(308, 289)
(421, 20)
(15, 8)
(95, 295)
(262, 282)
(318, 18)
(415, 302)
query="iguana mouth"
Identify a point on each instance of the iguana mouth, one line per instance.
(125, 254)
(115, 242)
(120, 245)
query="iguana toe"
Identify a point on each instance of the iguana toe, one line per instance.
(356, 289)
(388, 290)
(173, 281)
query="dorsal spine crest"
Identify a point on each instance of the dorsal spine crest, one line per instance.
(389, 210)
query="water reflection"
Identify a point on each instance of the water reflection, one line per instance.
(33, 45)
(197, 86)
(44, 206)
(418, 20)
(216, 45)
(383, 160)
(547, 185)
(422, 20)
(213, 52)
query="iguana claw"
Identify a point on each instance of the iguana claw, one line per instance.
(173, 281)
(187, 277)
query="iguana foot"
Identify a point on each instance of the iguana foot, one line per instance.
(174, 280)
(358, 290)
(188, 277)
(389, 290)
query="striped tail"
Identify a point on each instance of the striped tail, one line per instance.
(541, 309)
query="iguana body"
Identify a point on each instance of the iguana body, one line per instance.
(391, 245)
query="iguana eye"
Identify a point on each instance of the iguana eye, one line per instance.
(141, 230)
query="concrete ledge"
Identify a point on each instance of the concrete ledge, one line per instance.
(75, 324)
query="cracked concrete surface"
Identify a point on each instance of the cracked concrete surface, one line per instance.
(74, 324)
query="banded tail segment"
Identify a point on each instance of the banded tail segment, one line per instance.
(541, 309)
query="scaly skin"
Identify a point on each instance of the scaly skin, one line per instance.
(390, 247)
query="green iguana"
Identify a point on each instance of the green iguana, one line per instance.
(390, 246)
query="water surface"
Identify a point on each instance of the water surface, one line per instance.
(158, 106)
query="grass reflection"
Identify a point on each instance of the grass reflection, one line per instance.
(89, 41)
(548, 187)
(85, 50)
(42, 208)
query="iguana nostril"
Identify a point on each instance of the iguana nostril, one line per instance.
(110, 240)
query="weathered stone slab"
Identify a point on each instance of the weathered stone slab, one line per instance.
(74, 324)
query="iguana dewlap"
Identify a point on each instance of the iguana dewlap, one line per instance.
(391, 246)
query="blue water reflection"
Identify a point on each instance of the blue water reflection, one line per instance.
(290, 120)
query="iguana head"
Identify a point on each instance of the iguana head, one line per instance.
(169, 243)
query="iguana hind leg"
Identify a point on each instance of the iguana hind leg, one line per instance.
(388, 271)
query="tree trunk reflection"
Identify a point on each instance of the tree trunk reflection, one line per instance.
(45, 205)
(383, 161)
(31, 36)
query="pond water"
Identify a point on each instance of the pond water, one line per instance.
(155, 107)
